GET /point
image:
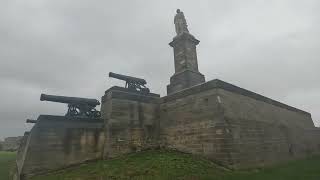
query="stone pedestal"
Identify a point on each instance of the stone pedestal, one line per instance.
(184, 80)
(185, 62)
(131, 119)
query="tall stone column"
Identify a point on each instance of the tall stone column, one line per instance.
(185, 58)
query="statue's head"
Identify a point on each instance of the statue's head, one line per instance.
(178, 11)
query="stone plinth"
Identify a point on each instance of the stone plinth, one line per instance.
(56, 142)
(131, 119)
(184, 80)
(185, 62)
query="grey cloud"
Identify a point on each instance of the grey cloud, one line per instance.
(68, 47)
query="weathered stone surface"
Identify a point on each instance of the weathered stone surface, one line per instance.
(131, 120)
(184, 80)
(235, 127)
(21, 154)
(218, 84)
(227, 124)
(195, 124)
(56, 142)
(231, 126)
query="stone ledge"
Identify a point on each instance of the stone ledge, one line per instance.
(218, 84)
(127, 94)
(184, 36)
(58, 119)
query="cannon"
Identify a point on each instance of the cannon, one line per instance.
(132, 83)
(31, 121)
(77, 107)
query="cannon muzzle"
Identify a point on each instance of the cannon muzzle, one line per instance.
(31, 121)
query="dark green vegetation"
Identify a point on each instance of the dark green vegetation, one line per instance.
(7, 160)
(173, 165)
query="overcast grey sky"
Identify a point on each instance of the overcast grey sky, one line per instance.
(271, 47)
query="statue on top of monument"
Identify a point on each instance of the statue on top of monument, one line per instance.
(180, 23)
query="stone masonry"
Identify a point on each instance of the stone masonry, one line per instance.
(131, 120)
(56, 142)
(235, 127)
(185, 58)
(232, 126)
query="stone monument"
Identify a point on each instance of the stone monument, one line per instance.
(185, 57)
(234, 127)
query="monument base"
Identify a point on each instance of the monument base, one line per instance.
(184, 80)
(132, 120)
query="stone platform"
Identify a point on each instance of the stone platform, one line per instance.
(235, 127)
(56, 142)
(229, 125)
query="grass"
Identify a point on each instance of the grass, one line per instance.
(164, 165)
(7, 160)
(306, 169)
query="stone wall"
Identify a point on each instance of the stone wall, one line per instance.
(264, 133)
(231, 126)
(131, 120)
(235, 127)
(56, 142)
(246, 107)
(21, 154)
(195, 124)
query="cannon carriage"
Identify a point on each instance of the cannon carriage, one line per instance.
(78, 107)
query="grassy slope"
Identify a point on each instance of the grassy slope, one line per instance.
(6, 163)
(172, 165)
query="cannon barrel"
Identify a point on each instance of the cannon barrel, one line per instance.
(128, 78)
(69, 100)
(31, 121)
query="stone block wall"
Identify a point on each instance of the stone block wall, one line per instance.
(247, 106)
(194, 124)
(264, 133)
(258, 144)
(131, 121)
(235, 127)
(183, 80)
(231, 126)
(56, 142)
(21, 154)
